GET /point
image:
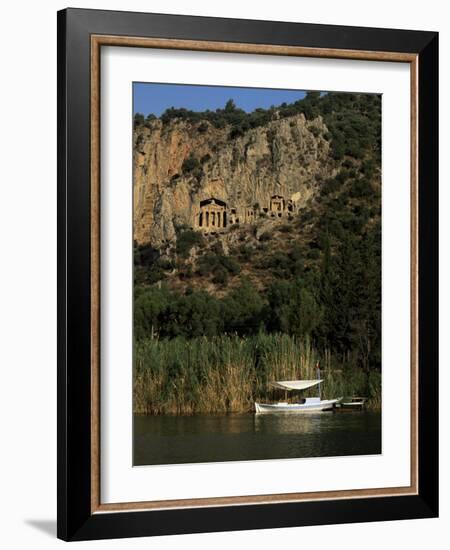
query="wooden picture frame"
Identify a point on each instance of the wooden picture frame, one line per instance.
(81, 35)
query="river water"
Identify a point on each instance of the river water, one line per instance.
(219, 438)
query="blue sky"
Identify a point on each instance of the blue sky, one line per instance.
(156, 98)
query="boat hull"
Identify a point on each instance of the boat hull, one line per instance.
(316, 406)
(353, 405)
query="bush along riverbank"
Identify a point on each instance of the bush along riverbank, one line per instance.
(226, 374)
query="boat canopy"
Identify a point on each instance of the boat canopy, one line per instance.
(295, 384)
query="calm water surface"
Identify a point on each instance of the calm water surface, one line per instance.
(218, 438)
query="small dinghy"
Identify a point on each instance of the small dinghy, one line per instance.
(307, 404)
(353, 403)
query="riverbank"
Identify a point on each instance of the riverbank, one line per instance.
(228, 373)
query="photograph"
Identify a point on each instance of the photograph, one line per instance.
(257, 315)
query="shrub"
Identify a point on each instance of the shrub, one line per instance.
(186, 240)
(213, 263)
(361, 188)
(166, 264)
(285, 229)
(220, 276)
(265, 236)
(148, 121)
(230, 264)
(330, 185)
(186, 273)
(246, 251)
(190, 164)
(138, 119)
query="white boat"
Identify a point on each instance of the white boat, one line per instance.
(307, 404)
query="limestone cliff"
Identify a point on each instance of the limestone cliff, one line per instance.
(179, 164)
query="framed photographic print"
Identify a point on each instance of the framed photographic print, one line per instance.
(247, 274)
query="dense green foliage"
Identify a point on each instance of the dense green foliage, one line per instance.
(336, 304)
(186, 239)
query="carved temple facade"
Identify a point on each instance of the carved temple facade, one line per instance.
(213, 214)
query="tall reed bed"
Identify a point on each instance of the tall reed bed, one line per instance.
(228, 373)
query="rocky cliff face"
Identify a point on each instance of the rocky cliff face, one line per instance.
(180, 164)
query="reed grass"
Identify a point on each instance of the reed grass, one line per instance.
(228, 373)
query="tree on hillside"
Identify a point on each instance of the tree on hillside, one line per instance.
(243, 309)
(138, 119)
